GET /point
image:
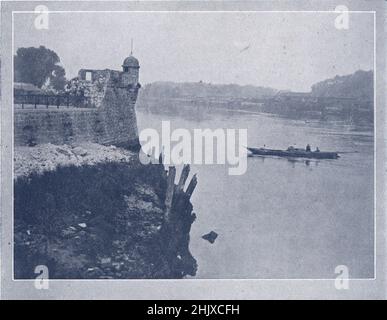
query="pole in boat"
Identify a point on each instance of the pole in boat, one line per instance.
(131, 46)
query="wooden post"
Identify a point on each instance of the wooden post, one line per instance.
(183, 177)
(177, 223)
(192, 185)
(170, 191)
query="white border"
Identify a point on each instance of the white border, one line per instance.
(194, 11)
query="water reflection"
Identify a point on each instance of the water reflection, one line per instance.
(292, 161)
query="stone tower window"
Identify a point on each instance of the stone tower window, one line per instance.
(88, 75)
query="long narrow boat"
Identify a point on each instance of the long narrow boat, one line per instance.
(294, 153)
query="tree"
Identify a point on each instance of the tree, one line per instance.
(37, 65)
(57, 78)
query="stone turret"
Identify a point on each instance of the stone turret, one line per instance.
(130, 71)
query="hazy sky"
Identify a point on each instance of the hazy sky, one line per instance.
(282, 50)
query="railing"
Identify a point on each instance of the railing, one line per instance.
(64, 100)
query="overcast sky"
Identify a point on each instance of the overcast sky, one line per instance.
(279, 50)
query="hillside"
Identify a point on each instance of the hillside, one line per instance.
(167, 90)
(348, 97)
(357, 85)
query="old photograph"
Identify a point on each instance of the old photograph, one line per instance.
(193, 144)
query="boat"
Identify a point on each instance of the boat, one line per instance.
(294, 153)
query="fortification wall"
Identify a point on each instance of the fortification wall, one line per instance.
(113, 123)
(111, 120)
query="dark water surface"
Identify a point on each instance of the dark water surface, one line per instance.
(282, 218)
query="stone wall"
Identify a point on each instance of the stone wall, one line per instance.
(111, 121)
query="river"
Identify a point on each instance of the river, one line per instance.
(283, 219)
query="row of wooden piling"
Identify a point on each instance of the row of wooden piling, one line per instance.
(178, 219)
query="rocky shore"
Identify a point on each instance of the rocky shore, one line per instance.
(47, 157)
(95, 212)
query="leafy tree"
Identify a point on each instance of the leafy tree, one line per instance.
(58, 78)
(37, 65)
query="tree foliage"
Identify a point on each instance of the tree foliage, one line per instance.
(37, 66)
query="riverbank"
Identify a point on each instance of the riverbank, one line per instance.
(47, 157)
(95, 212)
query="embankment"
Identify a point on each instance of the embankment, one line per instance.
(100, 218)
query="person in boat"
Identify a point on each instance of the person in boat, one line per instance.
(317, 149)
(291, 148)
(308, 148)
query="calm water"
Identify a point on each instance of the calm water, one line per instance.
(283, 219)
